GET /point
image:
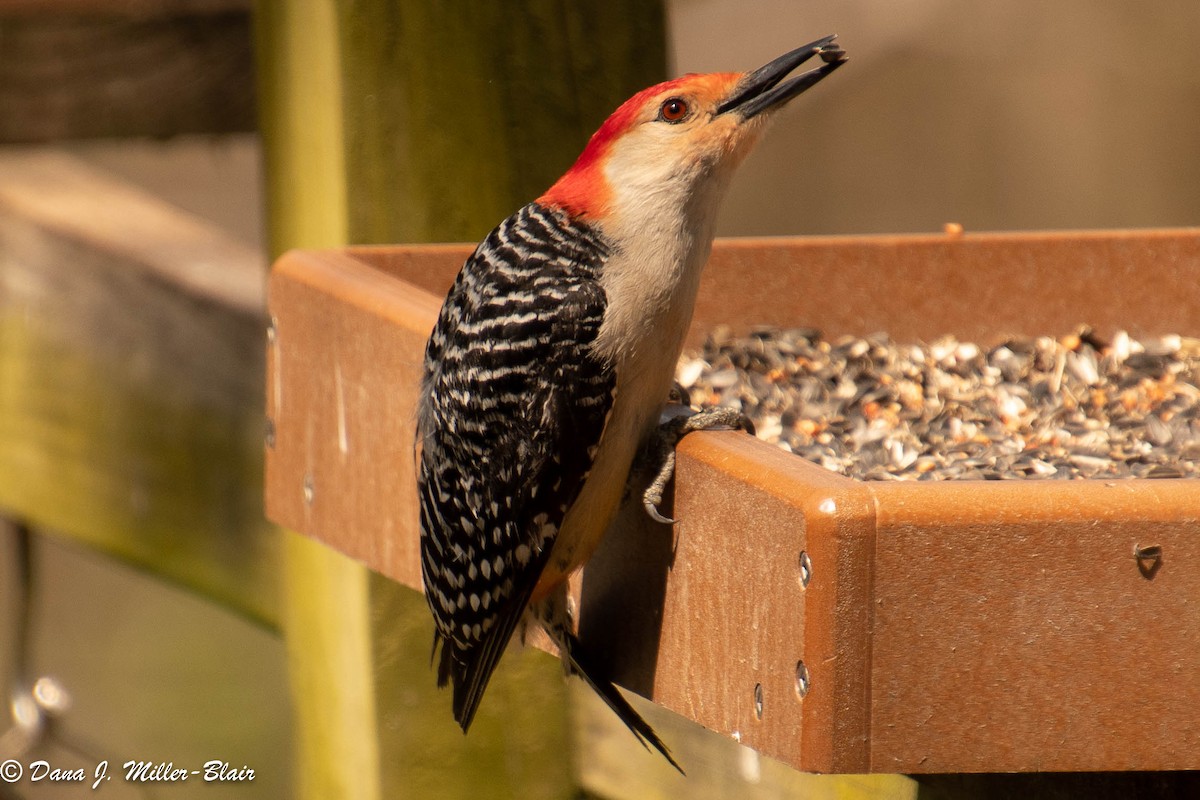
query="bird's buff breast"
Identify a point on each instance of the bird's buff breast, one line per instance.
(643, 381)
(589, 517)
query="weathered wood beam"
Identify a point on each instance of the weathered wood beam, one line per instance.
(72, 70)
(131, 345)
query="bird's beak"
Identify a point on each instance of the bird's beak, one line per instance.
(761, 90)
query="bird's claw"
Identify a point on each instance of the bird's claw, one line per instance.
(655, 515)
(654, 492)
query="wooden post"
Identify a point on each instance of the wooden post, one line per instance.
(325, 608)
(390, 121)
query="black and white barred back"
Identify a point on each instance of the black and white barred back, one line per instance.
(513, 404)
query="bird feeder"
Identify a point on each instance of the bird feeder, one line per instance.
(834, 624)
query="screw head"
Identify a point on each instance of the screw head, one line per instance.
(802, 679)
(50, 695)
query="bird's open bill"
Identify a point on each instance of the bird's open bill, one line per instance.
(762, 90)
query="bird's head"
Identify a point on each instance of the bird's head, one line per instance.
(680, 140)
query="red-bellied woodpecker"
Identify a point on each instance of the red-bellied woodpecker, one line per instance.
(553, 356)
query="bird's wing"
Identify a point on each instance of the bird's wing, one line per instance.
(513, 406)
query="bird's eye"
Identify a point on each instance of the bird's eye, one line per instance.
(673, 110)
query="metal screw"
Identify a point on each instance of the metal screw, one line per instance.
(802, 681)
(50, 695)
(309, 489)
(758, 701)
(271, 330)
(805, 569)
(269, 432)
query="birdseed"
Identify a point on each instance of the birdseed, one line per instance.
(1077, 406)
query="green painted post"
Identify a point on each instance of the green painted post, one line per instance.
(410, 121)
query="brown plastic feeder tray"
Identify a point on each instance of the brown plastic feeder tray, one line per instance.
(836, 625)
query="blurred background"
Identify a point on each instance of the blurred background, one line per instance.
(155, 155)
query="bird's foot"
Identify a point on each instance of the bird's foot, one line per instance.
(679, 422)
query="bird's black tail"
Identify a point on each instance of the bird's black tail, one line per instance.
(469, 680)
(582, 664)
